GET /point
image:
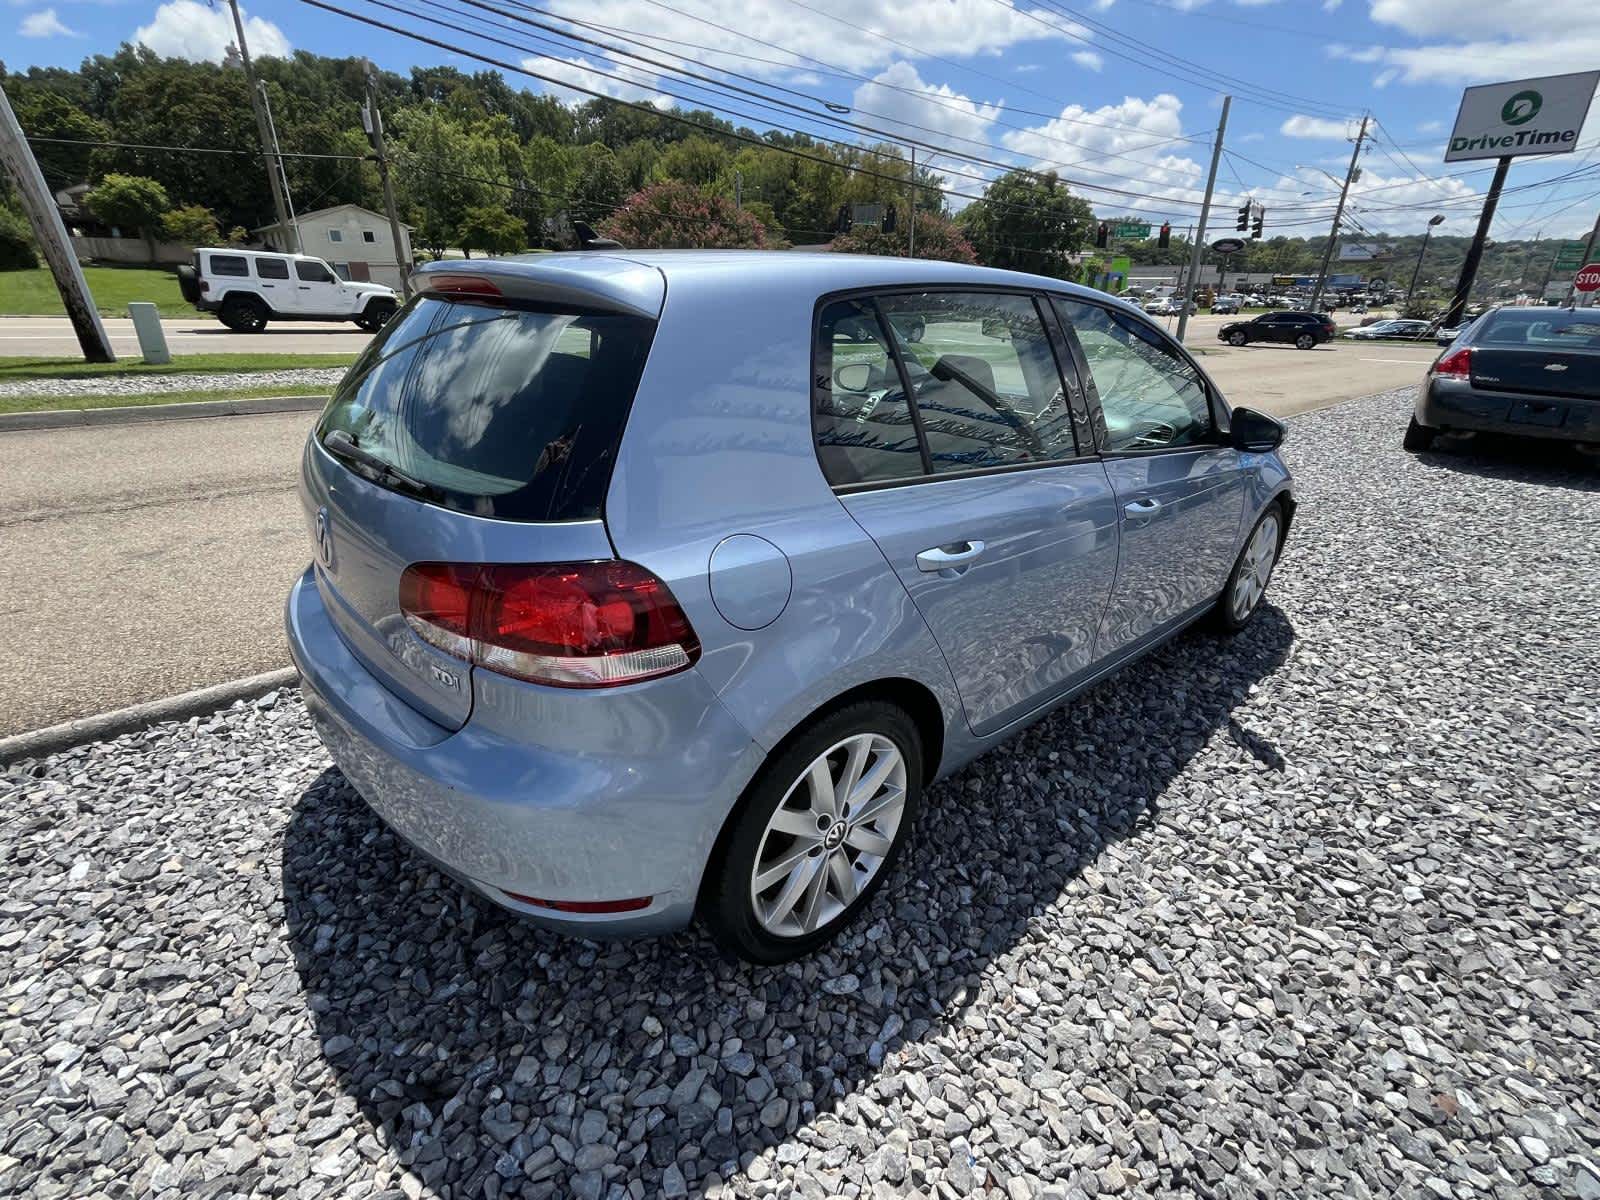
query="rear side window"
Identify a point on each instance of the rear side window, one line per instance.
(863, 424)
(229, 264)
(506, 412)
(272, 268)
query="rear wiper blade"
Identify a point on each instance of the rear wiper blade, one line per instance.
(340, 444)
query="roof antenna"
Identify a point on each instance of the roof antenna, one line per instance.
(588, 239)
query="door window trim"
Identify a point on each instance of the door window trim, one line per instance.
(869, 295)
(1216, 405)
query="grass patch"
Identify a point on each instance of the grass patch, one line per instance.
(32, 293)
(16, 404)
(188, 364)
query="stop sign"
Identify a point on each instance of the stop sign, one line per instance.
(1588, 279)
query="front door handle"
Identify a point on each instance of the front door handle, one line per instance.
(1140, 509)
(957, 555)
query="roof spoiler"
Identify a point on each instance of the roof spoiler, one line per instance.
(588, 239)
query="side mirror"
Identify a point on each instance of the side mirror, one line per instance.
(853, 377)
(1255, 431)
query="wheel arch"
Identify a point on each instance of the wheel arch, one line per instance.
(244, 294)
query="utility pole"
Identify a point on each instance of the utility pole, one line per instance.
(911, 217)
(372, 118)
(1588, 249)
(273, 182)
(738, 190)
(1338, 215)
(1427, 230)
(283, 177)
(1197, 249)
(51, 234)
(1469, 266)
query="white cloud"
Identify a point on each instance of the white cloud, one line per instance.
(1473, 18)
(951, 28)
(1302, 126)
(1430, 127)
(43, 24)
(1089, 60)
(620, 80)
(1360, 54)
(1254, 137)
(893, 100)
(1379, 201)
(1331, 5)
(189, 29)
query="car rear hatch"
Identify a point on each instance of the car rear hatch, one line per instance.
(1543, 352)
(479, 426)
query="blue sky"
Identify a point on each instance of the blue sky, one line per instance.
(1119, 96)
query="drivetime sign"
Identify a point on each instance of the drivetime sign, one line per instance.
(1526, 116)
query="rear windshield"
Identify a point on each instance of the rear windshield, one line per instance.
(1543, 328)
(504, 412)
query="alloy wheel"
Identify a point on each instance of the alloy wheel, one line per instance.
(1255, 569)
(830, 835)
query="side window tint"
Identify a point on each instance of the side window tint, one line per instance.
(863, 426)
(983, 378)
(1151, 398)
(272, 268)
(311, 271)
(229, 264)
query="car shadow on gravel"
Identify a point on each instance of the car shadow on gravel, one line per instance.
(1516, 459)
(499, 1059)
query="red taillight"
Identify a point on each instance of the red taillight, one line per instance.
(588, 624)
(585, 906)
(463, 284)
(1455, 365)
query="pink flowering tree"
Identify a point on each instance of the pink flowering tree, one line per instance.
(679, 215)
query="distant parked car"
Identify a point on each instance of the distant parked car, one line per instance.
(1531, 371)
(1302, 330)
(248, 288)
(1445, 335)
(654, 585)
(1224, 304)
(1408, 330)
(1169, 306)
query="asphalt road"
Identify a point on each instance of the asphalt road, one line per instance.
(146, 560)
(52, 337)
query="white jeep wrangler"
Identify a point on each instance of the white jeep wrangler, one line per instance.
(248, 288)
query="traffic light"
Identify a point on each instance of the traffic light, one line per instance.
(888, 219)
(1261, 222)
(1243, 222)
(1165, 239)
(1102, 235)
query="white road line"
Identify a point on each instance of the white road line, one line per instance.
(1410, 362)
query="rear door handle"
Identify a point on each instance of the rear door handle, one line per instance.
(1140, 509)
(956, 555)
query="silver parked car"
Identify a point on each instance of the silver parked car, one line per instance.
(656, 584)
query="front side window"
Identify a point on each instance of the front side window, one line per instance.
(230, 264)
(1151, 398)
(983, 378)
(862, 423)
(312, 271)
(272, 268)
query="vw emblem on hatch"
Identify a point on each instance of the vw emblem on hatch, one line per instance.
(324, 538)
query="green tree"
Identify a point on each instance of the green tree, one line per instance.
(596, 183)
(16, 240)
(492, 230)
(667, 215)
(47, 114)
(442, 169)
(192, 225)
(938, 237)
(132, 203)
(1027, 222)
(697, 160)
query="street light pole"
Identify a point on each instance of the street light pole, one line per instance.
(1197, 249)
(1417, 270)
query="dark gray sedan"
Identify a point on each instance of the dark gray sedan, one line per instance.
(1534, 372)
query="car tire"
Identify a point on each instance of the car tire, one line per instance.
(376, 315)
(243, 314)
(1252, 572)
(916, 331)
(816, 881)
(1305, 342)
(1419, 437)
(1237, 338)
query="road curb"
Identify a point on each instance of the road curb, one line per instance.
(54, 738)
(77, 418)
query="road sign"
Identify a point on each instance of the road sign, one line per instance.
(1377, 281)
(1569, 257)
(1588, 279)
(1362, 252)
(1525, 116)
(1227, 245)
(1131, 229)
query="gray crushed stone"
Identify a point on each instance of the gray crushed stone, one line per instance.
(1311, 912)
(154, 385)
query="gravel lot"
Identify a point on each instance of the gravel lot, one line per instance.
(1310, 912)
(152, 385)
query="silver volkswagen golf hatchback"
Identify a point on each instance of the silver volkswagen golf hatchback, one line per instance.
(649, 585)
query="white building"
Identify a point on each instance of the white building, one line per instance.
(354, 240)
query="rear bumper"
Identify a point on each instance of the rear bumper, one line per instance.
(1443, 404)
(624, 798)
